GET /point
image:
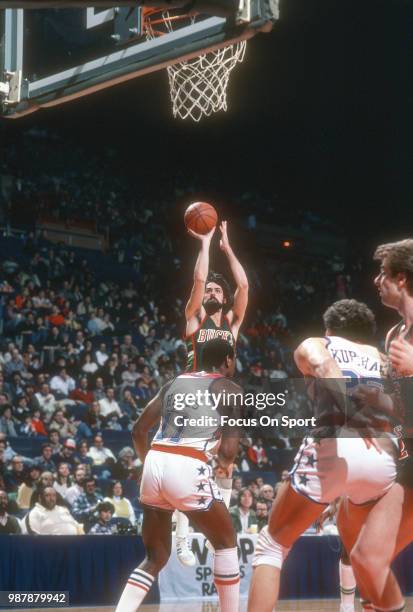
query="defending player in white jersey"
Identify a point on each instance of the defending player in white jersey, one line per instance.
(176, 474)
(326, 468)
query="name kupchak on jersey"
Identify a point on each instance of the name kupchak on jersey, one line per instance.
(206, 331)
(200, 438)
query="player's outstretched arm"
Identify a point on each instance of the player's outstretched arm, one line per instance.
(194, 306)
(238, 272)
(142, 426)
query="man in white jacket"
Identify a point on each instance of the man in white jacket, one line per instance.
(47, 518)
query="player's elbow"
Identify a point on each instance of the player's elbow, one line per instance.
(244, 285)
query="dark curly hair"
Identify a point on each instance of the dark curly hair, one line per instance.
(219, 279)
(215, 352)
(351, 319)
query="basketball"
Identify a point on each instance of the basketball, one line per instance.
(200, 217)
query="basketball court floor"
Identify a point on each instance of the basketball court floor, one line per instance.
(325, 605)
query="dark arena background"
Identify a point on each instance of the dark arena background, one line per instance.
(311, 166)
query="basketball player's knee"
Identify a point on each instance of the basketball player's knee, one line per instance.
(226, 540)
(268, 551)
(157, 557)
(364, 560)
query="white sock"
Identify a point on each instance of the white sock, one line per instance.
(182, 525)
(226, 578)
(136, 588)
(347, 584)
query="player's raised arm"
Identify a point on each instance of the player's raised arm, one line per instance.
(145, 422)
(194, 306)
(238, 272)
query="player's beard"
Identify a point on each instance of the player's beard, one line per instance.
(212, 306)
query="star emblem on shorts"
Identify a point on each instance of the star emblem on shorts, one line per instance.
(201, 501)
(201, 486)
(311, 460)
(201, 471)
(303, 479)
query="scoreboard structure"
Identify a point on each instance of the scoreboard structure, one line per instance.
(51, 56)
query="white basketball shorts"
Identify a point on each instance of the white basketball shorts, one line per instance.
(174, 481)
(328, 468)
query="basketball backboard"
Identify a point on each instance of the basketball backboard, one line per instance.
(52, 56)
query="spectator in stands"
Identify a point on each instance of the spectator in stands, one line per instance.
(100, 454)
(109, 406)
(82, 456)
(128, 348)
(101, 355)
(46, 479)
(63, 480)
(122, 506)
(46, 401)
(93, 418)
(127, 465)
(8, 423)
(89, 367)
(236, 487)
(130, 376)
(59, 422)
(285, 474)
(45, 461)
(8, 524)
(82, 395)
(257, 455)
(77, 488)
(67, 454)
(96, 325)
(243, 517)
(21, 409)
(99, 391)
(86, 504)
(33, 425)
(261, 511)
(62, 384)
(111, 372)
(16, 387)
(26, 489)
(128, 405)
(9, 453)
(15, 476)
(267, 494)
(105, 512)
(48, 518)
(15, 365)
(54, 441)
(253, 487)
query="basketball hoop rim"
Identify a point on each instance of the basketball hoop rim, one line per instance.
(148, 13)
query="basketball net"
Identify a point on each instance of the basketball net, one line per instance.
(198, 86)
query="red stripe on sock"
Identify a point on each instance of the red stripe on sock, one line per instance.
(138, 584)
(226, 582)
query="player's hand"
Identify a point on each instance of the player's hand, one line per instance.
(224, 242)
(401, 357)
(202, 237)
